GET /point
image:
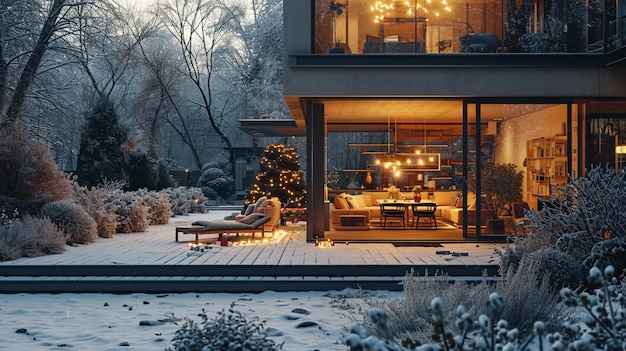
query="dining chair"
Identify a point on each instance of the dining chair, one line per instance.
(392, 210)
(424, 211)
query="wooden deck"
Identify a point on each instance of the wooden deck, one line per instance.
(154, 262)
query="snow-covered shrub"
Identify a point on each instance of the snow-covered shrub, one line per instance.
(132, 214)
(512, 255)
(30, 237)
(75, 222)
(528, 296)
(159, 208)
(29, 177)
(407, 317)
(586, 218)
(98, 202)
(229, 330)
(214, 177)
(184, 200)
(562, 269)
(602, 327)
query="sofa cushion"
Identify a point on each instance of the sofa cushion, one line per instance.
(368, 200)
(360, 199)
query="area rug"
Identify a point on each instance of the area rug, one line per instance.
(416, 244)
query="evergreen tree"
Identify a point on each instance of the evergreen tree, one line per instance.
(280, 176)
(101, 154)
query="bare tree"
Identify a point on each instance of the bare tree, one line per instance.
(58, 19)
(162, 91)
(203, 29)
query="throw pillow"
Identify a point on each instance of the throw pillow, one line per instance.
(249, 209)
(337, 203)
(353, 202)
(259, 208)
(257, 204)
(251, 218)
(459, 202)
(343, 203)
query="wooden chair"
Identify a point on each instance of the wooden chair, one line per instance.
(424, 211)
(392, 210)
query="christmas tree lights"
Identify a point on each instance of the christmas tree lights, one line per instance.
(280, 176)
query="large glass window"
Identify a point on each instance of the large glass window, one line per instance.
(472, 26)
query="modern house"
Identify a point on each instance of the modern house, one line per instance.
(447, 84)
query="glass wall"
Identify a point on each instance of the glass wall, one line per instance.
(606, 138)
(467, 26)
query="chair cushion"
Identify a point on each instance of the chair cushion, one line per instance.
(259, 222)
(222, 225)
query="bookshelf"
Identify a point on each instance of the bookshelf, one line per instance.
(546, 165)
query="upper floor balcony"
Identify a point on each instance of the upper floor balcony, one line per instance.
(468, 26)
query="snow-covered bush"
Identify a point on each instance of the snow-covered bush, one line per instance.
(562, 269)
(586, 218)
(603, 327)
(184, 200)
(159, 208)
(29, 177)
(528, 298)
(132, 214)
(30, 237)
(75, 222)
(229, 330)
(213, 177)
(98, 202)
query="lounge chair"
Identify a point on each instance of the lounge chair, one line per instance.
(250, 224)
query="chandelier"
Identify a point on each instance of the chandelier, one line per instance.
(397, 162)
(425, 9)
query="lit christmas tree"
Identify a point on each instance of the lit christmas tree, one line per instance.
(280, 177)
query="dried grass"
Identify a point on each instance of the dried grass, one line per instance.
(526, 300)
(30, 237)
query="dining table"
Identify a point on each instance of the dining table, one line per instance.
(407, 204)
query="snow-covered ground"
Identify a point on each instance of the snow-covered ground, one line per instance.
(144, 321)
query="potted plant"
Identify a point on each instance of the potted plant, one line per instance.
(336, 9)
(500, 185)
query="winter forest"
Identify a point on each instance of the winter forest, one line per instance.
(164, 83)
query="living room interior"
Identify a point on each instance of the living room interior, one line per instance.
(406, 131)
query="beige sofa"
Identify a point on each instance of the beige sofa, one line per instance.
(453, 212)
(448, 206)
(366, 203)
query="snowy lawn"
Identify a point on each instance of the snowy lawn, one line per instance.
(303, 320)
